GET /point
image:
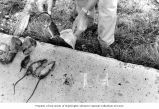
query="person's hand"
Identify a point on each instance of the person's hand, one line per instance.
(80, 24)
(48, 3)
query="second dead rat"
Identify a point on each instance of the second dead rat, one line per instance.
(32, 67)
(43, 73)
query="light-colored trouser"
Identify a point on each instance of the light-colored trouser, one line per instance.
(106, 20)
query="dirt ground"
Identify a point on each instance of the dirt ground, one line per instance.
(136, 35)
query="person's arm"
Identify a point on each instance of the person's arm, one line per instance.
(91, 4)
(49, 3)
(54, 2)
(81, 22)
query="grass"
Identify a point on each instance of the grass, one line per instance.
(136, 35)
(136, 32)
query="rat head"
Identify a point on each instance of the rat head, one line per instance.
(16, 44)
(28, 45)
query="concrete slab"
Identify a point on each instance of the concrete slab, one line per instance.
(80, 77)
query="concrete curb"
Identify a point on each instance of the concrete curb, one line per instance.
(80, 77)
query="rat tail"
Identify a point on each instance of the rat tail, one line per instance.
(17, 83)
(33, 91)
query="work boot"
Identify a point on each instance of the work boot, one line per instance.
(106, 50)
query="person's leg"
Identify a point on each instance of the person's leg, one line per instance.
(106, 22)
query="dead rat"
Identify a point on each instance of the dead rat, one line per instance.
(43, 73)
(25, 62)
(28, 45)
(32, 67)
